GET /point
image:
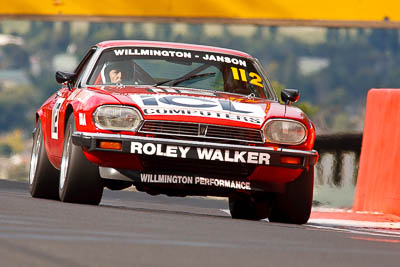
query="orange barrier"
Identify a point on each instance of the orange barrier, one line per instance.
(378, 184)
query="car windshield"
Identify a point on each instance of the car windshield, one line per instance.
(179, 68)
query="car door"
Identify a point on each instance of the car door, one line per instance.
(55, 111)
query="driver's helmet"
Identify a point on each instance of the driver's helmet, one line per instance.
(125, 67)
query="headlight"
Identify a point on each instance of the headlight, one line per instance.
(287, 132)
(117, 118)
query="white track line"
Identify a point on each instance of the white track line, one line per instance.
(358, 224)
(384, 229)
(359, 231)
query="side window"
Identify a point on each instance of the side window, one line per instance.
(82, 66)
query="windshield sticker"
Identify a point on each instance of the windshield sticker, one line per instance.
(224, 59)
(199, 107)
(256, 79)
(152, 52)
(179, 54)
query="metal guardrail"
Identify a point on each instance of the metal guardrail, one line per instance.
(339, 142)
(338, 145)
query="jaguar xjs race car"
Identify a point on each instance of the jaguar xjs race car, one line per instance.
(175, 119)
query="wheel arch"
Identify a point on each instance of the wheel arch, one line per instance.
(39, 115)
(69, 110)
(36, 120)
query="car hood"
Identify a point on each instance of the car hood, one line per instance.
(201, 106)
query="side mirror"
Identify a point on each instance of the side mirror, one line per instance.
(290, 96)
(62, 77)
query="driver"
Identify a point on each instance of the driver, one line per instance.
(118, 72)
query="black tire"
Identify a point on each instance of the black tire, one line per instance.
(80, 180)
(294, 206)
(116, 185)
(246, 207)
(43, 177)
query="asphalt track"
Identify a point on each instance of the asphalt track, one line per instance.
(135, 229)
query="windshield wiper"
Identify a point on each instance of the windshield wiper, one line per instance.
(179, 80)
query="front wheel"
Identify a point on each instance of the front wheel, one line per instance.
(43, 177)
(247, 207)
(80, 180)
(294, 206)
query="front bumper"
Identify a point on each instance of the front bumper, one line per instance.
(195, 168)
(183, 149)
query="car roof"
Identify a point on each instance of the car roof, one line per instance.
(205, 48)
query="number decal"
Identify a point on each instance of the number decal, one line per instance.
(55, 118)
(243, 75)
(256, 79)
(235, 73)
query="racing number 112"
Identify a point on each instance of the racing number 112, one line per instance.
(256, 79)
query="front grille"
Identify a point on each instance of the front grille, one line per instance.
(205, 132)
(196, 167)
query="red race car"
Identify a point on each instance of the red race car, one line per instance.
(175, 119)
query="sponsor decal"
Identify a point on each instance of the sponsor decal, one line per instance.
(201, 153)
(201, 113)
(193, 180)
(82, 119)
(199, 107)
